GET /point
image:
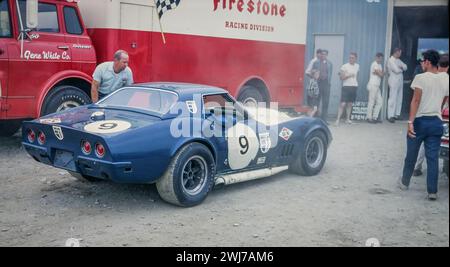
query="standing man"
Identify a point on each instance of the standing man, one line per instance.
(325, 69)
(395, 67)
(375, 98)
(349, 76)
(425, 122)
(110, 76)
(443, 68)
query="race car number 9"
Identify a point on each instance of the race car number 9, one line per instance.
(243, 146)
(107, 127)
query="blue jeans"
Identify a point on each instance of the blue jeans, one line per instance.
(428, 130)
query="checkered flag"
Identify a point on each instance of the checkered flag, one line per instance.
(165, 5)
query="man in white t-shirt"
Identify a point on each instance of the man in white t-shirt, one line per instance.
(375, 98)
(425, 122)
(349, 76)
(395, 68)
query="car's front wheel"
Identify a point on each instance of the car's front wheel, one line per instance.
(312, 157)
(189, 177)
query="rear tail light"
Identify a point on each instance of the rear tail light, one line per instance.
(86, 147)
(31, 136)
(41, 138)
(99, 150)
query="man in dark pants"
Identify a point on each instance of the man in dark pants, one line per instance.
(325, 69)
(425, 122)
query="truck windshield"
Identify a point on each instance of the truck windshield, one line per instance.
(152, 100)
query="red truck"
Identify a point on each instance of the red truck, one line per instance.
(50, 48)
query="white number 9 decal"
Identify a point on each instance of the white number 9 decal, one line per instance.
(243, 146)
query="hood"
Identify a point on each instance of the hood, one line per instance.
(100, 120)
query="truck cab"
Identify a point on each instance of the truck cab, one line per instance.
(46, 60)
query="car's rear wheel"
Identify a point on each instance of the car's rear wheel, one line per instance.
(84, 178)
(189, 177)
(312, 157)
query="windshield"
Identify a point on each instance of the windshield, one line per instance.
(153, 100)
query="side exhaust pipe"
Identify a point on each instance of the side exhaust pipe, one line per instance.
(247, 176)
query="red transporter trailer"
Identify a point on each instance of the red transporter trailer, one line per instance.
(253, 48)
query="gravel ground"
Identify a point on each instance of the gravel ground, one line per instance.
(353, 199)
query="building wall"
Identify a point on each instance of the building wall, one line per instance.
(362, 22)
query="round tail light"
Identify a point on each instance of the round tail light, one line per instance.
(41, 138)
(99, 150)
(86, 147)
(31, 136)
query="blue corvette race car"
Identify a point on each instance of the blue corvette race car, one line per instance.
(186, 138)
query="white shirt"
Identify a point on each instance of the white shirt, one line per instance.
(108, 80)
(375, 80)
(434, 89)
(396, 67)
(352, 70)
(310, 66)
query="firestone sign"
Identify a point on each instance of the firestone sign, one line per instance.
(253, 7)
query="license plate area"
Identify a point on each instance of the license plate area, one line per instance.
(64, 160)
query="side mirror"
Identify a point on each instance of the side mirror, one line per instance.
(32, 14)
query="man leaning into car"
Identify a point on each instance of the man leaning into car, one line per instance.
(110, 76)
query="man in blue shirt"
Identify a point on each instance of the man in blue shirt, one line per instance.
(110, 76)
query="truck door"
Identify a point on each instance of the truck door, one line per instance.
(5, 39)
(45, 53)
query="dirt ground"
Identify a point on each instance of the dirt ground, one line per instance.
(353, 199)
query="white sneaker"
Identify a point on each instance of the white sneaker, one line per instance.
(432, 197)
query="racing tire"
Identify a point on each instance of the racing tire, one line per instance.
(250, 97)
(445, 168)
(9, 128)
(64, 97)
(312, 157)
(84, 178)
(189, 177)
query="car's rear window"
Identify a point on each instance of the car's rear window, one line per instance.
(153, 100)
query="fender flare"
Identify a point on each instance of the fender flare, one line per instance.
(187, 141)
(55, 79)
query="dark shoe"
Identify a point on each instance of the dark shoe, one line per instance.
(401, 185)
(397, 118)
(432, 197)
(391, 120)
(378, 121)
(417, 172)
(372, 121)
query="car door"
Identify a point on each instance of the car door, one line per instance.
(229, 127)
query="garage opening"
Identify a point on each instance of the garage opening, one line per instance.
(416, 28)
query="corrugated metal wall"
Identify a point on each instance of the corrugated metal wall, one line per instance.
(363, 22)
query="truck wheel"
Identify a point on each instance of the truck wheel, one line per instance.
(311, 158)
(64, 97)
(189, 177)
(84, 178)
(445, 169)
(9, 128)
(250, 97)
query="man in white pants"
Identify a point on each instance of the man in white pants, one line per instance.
(395, 67)
(375, 98)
